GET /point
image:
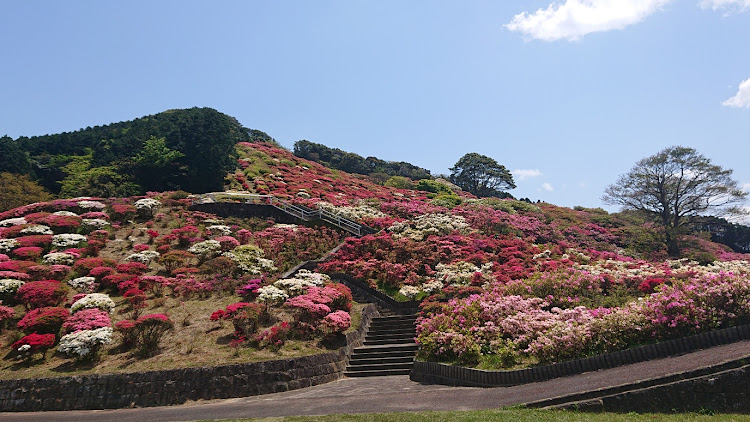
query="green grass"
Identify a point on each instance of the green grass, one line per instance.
(510, 414)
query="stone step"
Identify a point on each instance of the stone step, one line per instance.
(370, 360)
(378, 373)
(380, 367)
(405, 340)
(374, 349)
(383, 330)
(396, 337)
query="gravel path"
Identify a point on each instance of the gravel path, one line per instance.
(398, 394)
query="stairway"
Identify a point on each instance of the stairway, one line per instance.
(389, 348)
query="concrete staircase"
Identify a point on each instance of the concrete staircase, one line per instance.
(389, 348)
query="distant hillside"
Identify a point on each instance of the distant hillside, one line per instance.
(189, 149)
(379, 170)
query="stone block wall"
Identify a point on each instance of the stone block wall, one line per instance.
(175, 386)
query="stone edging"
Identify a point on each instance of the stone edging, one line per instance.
(176, 386)
(439, 373)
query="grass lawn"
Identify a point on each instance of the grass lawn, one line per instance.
(510, 414)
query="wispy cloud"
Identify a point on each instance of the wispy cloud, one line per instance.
(573, 19)
(547, 187)
(728, 6)
(746, 187)
(742, 98)
(525, 174)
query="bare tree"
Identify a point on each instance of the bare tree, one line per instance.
(676, 186)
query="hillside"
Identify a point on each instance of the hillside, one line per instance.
(502, 282)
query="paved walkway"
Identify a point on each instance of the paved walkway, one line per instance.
(398, 394)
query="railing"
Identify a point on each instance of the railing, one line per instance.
(298, 211)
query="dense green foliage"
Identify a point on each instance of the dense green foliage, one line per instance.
(353, 163)
(12, 158)
(18, 189)
(190, 149)
(481, 175)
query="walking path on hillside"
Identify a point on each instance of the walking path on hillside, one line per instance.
(399, 394)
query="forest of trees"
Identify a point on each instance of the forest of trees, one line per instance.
(188, 149)
(377, 169)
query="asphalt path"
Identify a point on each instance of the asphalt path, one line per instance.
(398, 394)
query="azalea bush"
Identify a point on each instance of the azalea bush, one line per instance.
(83, 345)
(37, 294)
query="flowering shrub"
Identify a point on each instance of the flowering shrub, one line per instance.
(9, 287)
(42, 241)
(36, 230)
(146, 207)
(34, 343)
(68, 240)
(94, 300)
(7, 245)
(337, 322)
(219, 230)
(430, 225)
(247, 318)
(28, 252)
(84, 284)
(91, 224)
(126, 328)
(274, 336)
(250, 259)
(272, 295)
(135, 268)
(205, 250)
(84, 344)
(227, 243)
(43, 320)
(59, 258)
(87, 319)
(250, 289)
(37, 294)
(185, 235)
(150, 329)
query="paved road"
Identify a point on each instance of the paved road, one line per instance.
(398, 393)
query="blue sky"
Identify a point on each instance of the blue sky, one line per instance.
(568, 95)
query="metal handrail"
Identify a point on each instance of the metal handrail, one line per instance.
(294, 210)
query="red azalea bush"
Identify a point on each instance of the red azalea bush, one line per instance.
(38, 294)
(17, 266)
(36, 343)
(6, 314)
(274, 336)
(135, 268)
(87, 319)
(56, 272)
(150, 329)
(83, 266)
(122, 212)
(186, 235)
(227, 242)
(43, 320)
(28, 252)
(62, 223)
(247, 318)
(40, 240)
(127, 330)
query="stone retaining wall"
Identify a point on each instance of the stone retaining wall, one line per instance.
(175, 386)
(725, 392)
(438, 373)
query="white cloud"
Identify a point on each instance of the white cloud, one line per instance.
(730, 5)
(523, 174)
(746, 187)
(573, 19)
(742, 98)
(547, 187)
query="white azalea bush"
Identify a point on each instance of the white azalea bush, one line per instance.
(65, 214)
(68, 240)
(93, 300)
(219, 230)
(301, 281)
(272, 295)
(146, 207)
(206, 249)
(7, 245)
(144, 257)
(9, 286)
(410, 291)
(91, 224)
(460, 273)
(250, 259)
(91, 205)
(13, 222)
(84, 344)
(83, 284)
(36, 229)
(430, 225)
(58, 258)
(356, 212)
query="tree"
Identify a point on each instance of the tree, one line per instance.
(12, 158)
(676, 186)
(481, 175)
(155, 165)
(18, 189)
